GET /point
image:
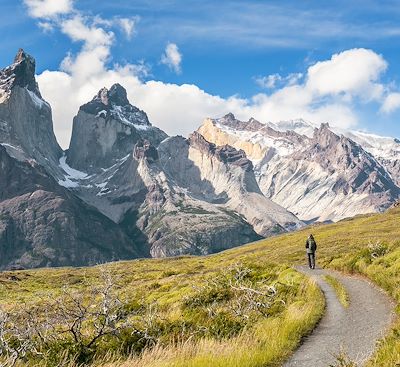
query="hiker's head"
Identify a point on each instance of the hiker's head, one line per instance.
(310, 236)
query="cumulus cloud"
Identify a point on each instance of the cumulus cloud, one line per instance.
(48, 8)
(172, 57)
(326, 92)
(78, 29)
(354, 72)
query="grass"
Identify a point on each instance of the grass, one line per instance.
(339, 289)
(206, 319)
(268, 344)
(367, 245)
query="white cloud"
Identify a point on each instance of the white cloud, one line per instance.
(273, 80)
(180, 109)
(77, 29)
(172, 57)
(128, 26)
(293, 78)
(391, 102)
(48, 8)
(268, 81)
(352, 72)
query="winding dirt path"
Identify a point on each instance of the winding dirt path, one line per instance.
(354, 330)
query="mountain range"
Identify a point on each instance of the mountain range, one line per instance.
(125, 189)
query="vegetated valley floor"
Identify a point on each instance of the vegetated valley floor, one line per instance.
(185, 289)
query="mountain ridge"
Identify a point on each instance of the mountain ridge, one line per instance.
(312, 171)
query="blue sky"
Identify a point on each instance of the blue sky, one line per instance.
(228, 53)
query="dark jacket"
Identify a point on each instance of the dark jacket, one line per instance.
(311, 245)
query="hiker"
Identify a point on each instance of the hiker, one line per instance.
(311, 247)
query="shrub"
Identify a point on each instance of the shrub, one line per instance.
(377, 249)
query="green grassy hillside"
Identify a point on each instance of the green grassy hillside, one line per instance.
(242, 307)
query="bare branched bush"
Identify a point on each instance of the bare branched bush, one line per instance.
(77, 322)
(15, 342)
(233, 300)
(89, 323)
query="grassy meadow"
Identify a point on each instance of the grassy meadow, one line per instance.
(243, 307)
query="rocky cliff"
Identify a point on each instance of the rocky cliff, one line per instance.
(25, 118)
(106, 129)
(177, 195)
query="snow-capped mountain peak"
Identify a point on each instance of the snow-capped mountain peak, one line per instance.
(316, 172)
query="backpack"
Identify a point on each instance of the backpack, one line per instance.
(312, 245)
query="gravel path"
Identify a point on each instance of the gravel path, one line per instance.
(354, 330)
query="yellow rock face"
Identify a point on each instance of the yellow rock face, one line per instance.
(215, 135)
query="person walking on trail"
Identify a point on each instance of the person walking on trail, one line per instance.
(311, 247)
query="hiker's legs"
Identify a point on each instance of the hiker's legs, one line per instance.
(309, 260)
(313, 260)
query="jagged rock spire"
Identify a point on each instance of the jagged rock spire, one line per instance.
(117, 95)
(105, 98)
(20, 73)
(25, 71)
(113, 103)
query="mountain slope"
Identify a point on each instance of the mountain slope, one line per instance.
(106, 129)
(107, 197)
(223, 175)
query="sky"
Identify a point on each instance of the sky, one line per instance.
(184, 60)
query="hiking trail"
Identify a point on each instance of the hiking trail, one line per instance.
(353, 330)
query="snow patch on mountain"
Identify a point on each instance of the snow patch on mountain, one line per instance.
(72, 176)
(39, 102)
(127, 117)
(379, 146)
(300, 126)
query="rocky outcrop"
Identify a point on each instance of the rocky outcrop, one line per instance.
(225, 153)
(178, 222)
(178, 196)
(41, 222)
(106, 129)
(149, 203)
(210, 131)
